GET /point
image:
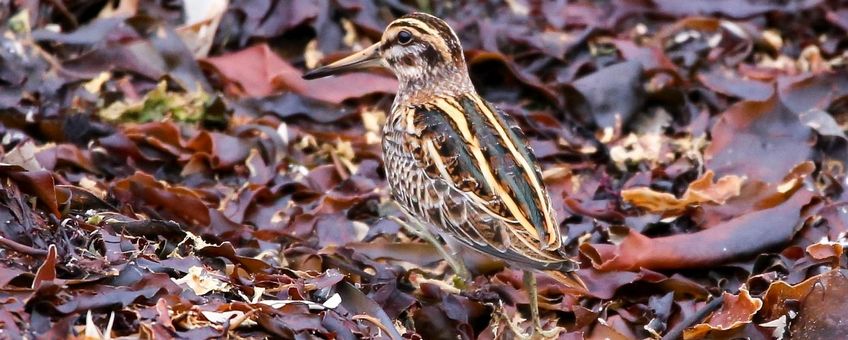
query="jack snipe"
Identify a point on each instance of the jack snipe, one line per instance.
(454, 162)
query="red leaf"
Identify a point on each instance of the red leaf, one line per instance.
(822, 301)
(269, 74)
(172, 202)
(37, 183)
(762, 140)
(742, 236)
(47, 271)
(736, 312)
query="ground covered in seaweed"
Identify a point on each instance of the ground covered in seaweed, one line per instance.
(166, 173)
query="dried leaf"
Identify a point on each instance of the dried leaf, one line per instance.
(47, 270)
(701, 190)
(272, 74)
(202, 282)
(736, 311)
(732, 240)
(815, 308)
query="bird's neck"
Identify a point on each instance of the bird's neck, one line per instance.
(419, 87)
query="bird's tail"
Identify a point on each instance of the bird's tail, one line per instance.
(570, 280)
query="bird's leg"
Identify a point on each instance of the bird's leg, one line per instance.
(456, 252)
(533, 295)
(455, 263)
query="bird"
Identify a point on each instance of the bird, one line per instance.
(454, 162)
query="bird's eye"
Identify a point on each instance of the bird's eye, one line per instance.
(404, 37)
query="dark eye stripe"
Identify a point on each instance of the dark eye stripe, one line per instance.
(436, 27)
(431, 56)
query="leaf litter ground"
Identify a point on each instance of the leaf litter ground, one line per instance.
(168, 174)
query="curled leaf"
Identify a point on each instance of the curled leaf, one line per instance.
(736, 312)
(728, 241)
(815, 308)
(202, 282)
(702, 190)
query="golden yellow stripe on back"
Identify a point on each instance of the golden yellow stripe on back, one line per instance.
(535, 249)
(433, 154)
(553, 232)
(454, 112)
(440, 165)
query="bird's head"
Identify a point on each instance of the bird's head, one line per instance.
(422, 51)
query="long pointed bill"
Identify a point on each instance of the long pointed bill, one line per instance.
(369, 57)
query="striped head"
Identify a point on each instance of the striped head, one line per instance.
(422, 51)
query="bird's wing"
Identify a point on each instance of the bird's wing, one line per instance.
(488, 188)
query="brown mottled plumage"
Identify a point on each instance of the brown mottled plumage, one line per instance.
(453, 161)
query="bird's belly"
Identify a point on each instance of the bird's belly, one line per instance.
(407, 184)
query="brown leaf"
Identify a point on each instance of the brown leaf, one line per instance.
(335, 230)
(223, 151)
(47, 270)
(740, 237)
(10, 329)
(614, 93)
(823, 251)
(756, 195)
(269, 74)
(421, 254)
(760, 140)
(55, 156)
(839, 18)
(356, 302)
(171, 202)
(146, 290)
(736, 312)
(813, 91)
(227, 251)
(651, 57)
(37, 183)
(8, 274)
(701, 190)
(732, 9)
(479, 58)
(815, 308)
(613, 329)
(604, 284)
(741, 88)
